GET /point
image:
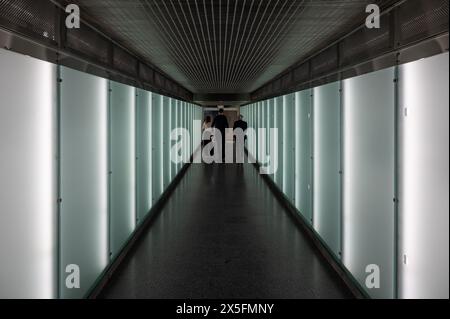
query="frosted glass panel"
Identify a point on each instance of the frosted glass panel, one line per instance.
(250, 125)
(327, 164)
(267, 125)
(279, 125)
(369, 178)
(289, 147)
(178, 117)
(261, 149)
(272, 124)
(303, 154)
(259, 132)
(173, 115)
(157, 142)
(166, 141)
(257, 127)
(424, 203)
(28, 237)
(122, 165)
(144, 153)
(183, 125)
(84, 178)
(190, 129)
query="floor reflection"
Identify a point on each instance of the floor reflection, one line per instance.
(223, 234)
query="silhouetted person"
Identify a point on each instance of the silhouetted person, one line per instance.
(239, 148)
(240, 123)
(221, 123)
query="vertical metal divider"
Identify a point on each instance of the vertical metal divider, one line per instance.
(395, 43)
(339, 49)
(256, 137)
(294, 140)
(284, 144)
(58, 182)
(341, 168)
(152, 150)
(161, 145)
(312, 158)
(109, 169)
(61, 38)
(397, 126)
(137, 157)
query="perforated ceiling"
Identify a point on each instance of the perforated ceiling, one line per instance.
(224, 46)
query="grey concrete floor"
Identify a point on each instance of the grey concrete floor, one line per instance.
(223, 234)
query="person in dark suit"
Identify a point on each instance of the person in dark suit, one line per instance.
(240, 123)
(221, 123)
(239, 148)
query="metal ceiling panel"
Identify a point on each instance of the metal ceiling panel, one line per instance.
(224, 46)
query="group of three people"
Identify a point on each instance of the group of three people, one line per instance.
(220, 123)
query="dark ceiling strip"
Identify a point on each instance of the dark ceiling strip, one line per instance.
(249, 46)
(215, 40)
(189, 59)
(213, 52)
(209, 52)
(220, 42)
(188, 62)
(236, 37)
(266, 46)
(227, 62)
(201, 70)
(173, 46)
(270, 45)
(234, 67)
(273, 44)
(199, 47)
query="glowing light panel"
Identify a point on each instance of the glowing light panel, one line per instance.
(27, 177)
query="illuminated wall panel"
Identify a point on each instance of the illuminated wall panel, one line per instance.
(191, 128)
(178, 115)
(122, 101)
(267, 125)
(144, 153)
(289, 147)
(84, 178)
(369, 178)
(258, 133)
(279, 125)
(158, 150)
(165, 134)
(303, 154)
(424, 179)
(327, 164)
(251, 124)
(183, 126)
(173, 125)
(28, 193)
(272, 124)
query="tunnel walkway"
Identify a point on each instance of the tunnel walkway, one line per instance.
(223, 234)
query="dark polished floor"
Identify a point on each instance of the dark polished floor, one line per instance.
(223, 234)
